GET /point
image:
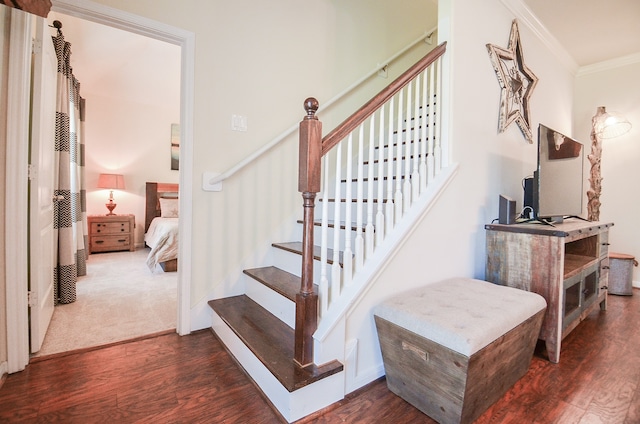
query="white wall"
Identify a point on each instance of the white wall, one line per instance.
(451, 240)
(615, 85)
(261, 60)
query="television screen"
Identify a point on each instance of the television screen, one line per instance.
(559, 177)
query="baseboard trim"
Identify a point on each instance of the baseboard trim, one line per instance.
(4, 371)
(35, 359)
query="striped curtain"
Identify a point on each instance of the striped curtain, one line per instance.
(70, 216)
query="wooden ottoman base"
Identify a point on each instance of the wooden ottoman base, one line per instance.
(447, 385)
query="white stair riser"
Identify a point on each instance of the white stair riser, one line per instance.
(292, 263)
(278, 305)
(291, 405)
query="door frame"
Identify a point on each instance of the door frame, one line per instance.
(16, 219)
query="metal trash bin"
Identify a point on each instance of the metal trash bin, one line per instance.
(621, 273)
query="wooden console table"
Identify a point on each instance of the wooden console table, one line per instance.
(568, 264)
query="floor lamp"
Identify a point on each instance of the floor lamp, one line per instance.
(603, 125)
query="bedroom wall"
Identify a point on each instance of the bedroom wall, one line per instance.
(133, 139)
(132, 99)
(615, 85)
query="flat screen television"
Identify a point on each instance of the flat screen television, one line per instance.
(558, 181)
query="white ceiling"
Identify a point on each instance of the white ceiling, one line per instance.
(591, 31)
(117, 63)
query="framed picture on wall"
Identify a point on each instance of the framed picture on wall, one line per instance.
(175, 147)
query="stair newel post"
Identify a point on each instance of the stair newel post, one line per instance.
(310, 158)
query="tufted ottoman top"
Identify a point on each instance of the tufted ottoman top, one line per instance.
(462, 314)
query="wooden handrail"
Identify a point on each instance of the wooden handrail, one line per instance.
(352, 122)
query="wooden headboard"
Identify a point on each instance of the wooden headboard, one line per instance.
(155, 191)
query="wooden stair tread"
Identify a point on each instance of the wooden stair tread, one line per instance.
(278, 280)
(271, 340)
(296, 247)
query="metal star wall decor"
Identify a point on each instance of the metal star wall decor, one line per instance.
(516, 81)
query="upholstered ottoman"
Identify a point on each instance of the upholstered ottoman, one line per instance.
(453, 348)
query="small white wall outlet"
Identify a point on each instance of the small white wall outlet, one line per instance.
(238, 123)
(207, 178)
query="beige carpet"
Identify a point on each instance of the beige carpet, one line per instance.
(118, 299)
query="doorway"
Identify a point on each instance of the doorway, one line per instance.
(17, 316)
(131, 84)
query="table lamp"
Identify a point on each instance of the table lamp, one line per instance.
(111, 182)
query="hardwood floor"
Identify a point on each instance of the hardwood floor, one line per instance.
(192, 379)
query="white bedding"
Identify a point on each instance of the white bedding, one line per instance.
(162, 238)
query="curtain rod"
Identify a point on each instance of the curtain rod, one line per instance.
(57, 25)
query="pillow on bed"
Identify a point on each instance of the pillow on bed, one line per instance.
(168, 208)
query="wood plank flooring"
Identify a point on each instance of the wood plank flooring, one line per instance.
(192, 379)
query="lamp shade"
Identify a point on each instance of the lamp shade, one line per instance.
(111, 181)
(610, 124)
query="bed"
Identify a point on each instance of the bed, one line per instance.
(161, 225)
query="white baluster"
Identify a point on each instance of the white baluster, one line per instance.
(335, 268)
(347, 256)
(368, 232)
(431, 163)
(389, 208)
(324, 281)
(406, 188)
(359, 244)
(415, 177)
(379, 230)
(437, 150)
(399, 137)
(424, 141)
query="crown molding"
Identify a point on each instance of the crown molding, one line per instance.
(527, 18)
(609, 64)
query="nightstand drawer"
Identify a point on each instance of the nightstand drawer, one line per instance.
(110, 233)
(110, 227)
(110, 243)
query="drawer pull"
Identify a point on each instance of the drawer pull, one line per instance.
(416, 350)
(99, 241)
(122, 241)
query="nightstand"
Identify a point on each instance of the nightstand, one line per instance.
(110, 233)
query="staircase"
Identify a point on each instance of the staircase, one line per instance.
(282, 331)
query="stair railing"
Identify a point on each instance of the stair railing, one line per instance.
(402, 124)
